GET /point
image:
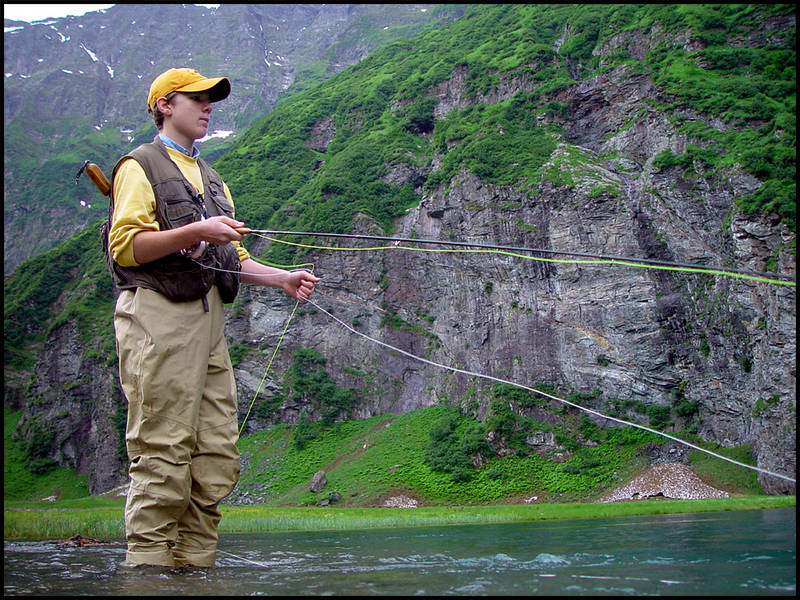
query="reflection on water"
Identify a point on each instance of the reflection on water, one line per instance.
(736, 553)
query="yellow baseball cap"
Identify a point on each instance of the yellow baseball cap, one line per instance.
(187, 80)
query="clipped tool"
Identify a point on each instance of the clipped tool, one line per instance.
(96, 175)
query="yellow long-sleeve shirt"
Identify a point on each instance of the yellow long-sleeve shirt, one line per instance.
(135, 206)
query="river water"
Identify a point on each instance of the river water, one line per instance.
(729, 554)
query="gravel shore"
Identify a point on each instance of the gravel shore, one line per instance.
(670, 480)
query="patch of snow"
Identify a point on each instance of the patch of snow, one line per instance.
(91, 54)
(217, 134)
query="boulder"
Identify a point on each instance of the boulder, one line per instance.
(318, 482)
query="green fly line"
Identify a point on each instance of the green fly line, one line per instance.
(280, 339)
(629, 262)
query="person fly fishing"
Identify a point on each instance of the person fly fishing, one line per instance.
(174, 251)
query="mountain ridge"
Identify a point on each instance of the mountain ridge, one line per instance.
(100, 65)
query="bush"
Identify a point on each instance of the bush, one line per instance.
(507, 426)
(453, 443)
(36, 442)
(305, 431)
(306, 381)
(268, 405)
(519, 396)
(419, 116)
(659, 416)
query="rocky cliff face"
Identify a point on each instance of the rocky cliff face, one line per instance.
(80, 399)
(655, 337)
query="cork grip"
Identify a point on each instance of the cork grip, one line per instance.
(98, 178)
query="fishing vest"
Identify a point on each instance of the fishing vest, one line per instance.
(178, 277)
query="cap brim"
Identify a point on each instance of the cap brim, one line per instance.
(218, 88)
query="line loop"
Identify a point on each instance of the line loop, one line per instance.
(475, 247)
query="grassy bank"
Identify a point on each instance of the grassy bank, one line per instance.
(107, 523)
(423, 454)
(366, 461)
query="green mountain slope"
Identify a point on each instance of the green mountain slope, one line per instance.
(380, 112)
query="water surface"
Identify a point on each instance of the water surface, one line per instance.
(730, 553)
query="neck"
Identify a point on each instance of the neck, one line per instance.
(169, 142)
(176, 137)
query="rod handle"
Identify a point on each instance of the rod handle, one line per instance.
(98, 178)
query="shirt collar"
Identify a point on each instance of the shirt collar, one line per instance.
(170, 143)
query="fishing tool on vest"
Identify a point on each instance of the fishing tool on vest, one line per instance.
(96, 175)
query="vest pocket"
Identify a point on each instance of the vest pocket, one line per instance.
(178, 212)
(178, 209)
(179, 279)
(227, 278)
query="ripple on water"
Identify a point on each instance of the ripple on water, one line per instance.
(550, 559)
(479, 586)
(594, 559)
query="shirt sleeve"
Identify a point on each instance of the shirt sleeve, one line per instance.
(134, 211)
(242, 251)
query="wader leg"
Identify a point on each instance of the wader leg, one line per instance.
(215, 460)
(163, 349)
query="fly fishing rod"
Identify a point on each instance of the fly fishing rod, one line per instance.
(99, 179)
(535, 251)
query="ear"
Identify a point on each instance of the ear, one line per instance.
(163, 105)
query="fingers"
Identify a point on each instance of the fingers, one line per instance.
(305, 285)
(222, 230)
(238, 227)
(304, 291)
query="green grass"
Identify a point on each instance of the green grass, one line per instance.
(105, 523)
(252, 519)
(51, 524)
(20, 484)
(724, 475)
(368, 460)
